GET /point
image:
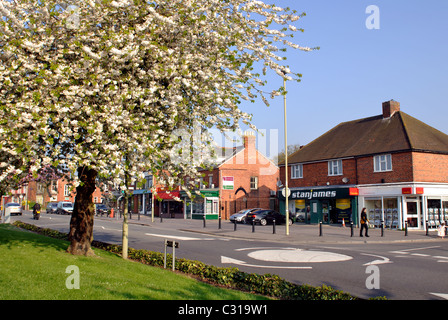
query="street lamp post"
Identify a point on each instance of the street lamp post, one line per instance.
(286, 158)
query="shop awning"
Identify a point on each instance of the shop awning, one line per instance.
(167, 196)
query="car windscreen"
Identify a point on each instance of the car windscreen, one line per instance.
(67, 205)
(12, 204)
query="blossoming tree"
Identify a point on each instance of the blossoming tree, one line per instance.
(95, 88)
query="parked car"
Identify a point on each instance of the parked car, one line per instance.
(241, 215)
(264, 217)
(13, 208)
(64, 207)
(101, 209)
(52, 207)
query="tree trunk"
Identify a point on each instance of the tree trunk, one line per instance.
(81, 223)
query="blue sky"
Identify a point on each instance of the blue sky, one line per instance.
(356, 69)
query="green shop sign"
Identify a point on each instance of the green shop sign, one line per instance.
(205, 193)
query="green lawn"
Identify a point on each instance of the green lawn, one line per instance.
(34, 267)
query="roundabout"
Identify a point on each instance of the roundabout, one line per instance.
(297, 256)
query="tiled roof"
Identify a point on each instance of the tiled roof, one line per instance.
(373, 135)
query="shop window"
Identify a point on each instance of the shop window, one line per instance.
(389, 214)
(382, 163)
(335, 168)
(297, 171)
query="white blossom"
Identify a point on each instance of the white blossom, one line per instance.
(109, 91)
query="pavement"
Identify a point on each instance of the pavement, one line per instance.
(299, 233)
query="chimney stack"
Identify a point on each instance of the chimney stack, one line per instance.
(249, 140)
(389, 108)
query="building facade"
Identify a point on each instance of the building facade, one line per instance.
(392, 164)
(241, 178)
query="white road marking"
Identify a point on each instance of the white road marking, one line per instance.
(375, 262)
(227, 260)
(420, 255)
(298, 255)
(440, 257)
(440, 295)
(178, 237)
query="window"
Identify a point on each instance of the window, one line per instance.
(253, 183)
(382, 163)
(335, 167)
(210, 181)
(297, 171)
(66, 190)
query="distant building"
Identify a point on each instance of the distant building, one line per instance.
(241, 178)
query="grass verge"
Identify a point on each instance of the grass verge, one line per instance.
(34, 267)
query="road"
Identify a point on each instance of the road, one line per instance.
(404, 270)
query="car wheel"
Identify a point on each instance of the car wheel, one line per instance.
(290, 222)
(263, 222)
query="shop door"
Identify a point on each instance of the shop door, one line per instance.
(316, 211)
(414, 214)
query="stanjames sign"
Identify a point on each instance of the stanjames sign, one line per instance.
(313, 194)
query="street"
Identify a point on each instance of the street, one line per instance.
(398, 267)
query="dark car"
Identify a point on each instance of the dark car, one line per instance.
(52, 207)
(264, 217)
(102, 209)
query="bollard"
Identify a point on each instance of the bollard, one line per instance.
(382, 228)
(351, 229)
(161, 219)
(273, 226)
(406, 229)
(320, 229)
(253, 225)
(427, 228)
(219, 222)
(204, 221)
(234, 225)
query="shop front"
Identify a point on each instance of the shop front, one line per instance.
(418, 205)
(333, 205)
(206, 204)
(169, 204)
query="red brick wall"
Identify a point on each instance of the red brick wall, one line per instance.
(248, 163)
(430, 167)
(401, 170)
(406, 167)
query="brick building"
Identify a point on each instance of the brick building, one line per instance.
(45, 192)
(393, 164)
(241, 178)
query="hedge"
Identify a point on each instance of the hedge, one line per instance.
(267, 284)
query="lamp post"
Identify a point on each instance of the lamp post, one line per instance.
(286, 158)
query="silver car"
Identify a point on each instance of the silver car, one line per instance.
(13, 208)
(240, 216)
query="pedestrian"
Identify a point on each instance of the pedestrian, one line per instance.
(441, 230)
(364, 222)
